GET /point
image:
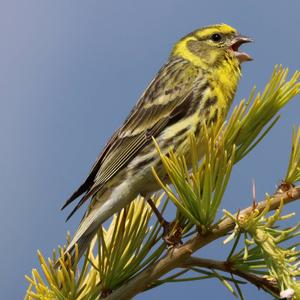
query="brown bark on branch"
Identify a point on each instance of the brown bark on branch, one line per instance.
(226, 266)
(179, 257)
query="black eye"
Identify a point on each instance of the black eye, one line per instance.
(216, 37)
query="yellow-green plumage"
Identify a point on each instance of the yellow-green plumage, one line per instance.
(196, 85)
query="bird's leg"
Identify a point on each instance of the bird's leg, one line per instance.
(160, 218)
(171, 230)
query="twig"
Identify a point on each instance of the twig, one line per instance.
(177, 257)
(226, 266)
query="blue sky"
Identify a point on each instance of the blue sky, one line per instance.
(70, 71)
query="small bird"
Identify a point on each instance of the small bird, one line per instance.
(196, 85)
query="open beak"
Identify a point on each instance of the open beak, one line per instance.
(236, 43)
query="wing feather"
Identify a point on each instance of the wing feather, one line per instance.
(162, 102)
(88, 183)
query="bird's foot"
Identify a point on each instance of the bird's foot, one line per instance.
(172, 233)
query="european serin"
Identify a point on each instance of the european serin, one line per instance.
(196, 85)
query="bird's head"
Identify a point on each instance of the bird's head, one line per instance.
(210, 46)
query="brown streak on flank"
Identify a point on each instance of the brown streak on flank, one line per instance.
(181, 132)
(206, 113)
(144, 162)
(180, 140)
(193, 105)
(204, 87)
(198, 129)
(214, 117)
(209, 102)
(180, 136)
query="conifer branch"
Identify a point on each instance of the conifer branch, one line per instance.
(228, 267)
(179, 257)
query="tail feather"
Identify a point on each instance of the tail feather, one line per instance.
(101, 208)
(81, 190)
(83, 243)
(86, 231)
(83, 199)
